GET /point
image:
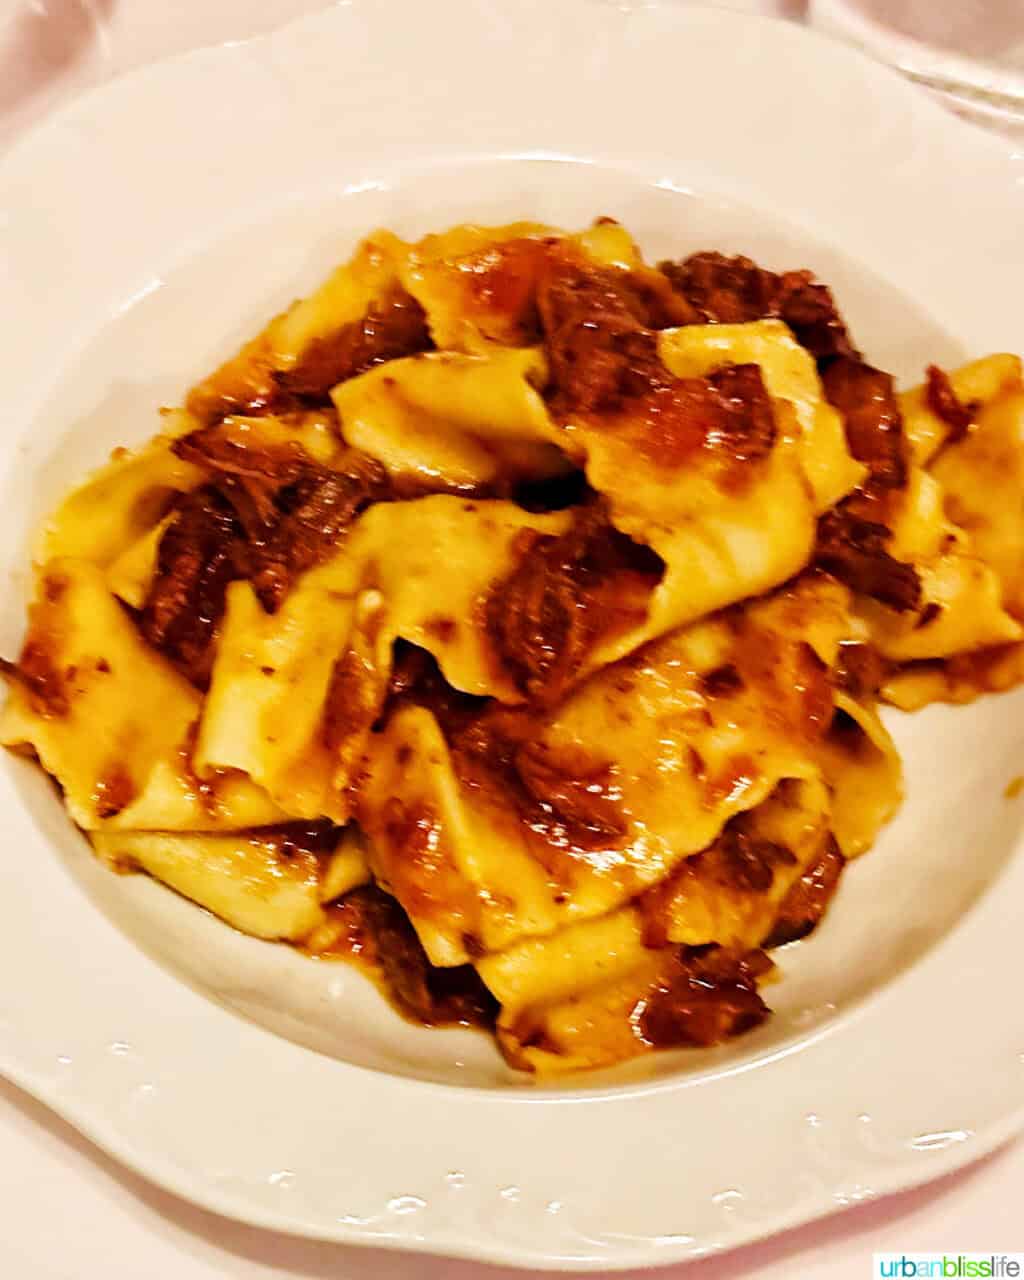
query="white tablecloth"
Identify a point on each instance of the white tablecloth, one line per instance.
(67, 1212)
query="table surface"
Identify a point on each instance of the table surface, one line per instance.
(70, 1213)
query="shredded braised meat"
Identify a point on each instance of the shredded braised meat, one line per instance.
(266, 514)
(854, 537)
(859, 670)
(566, 799)
(866, 397)
(855, 550)
(742, 860)
(425, 993)
(564, 592)
(228, 453)
(502, 285)
(947, 405)
(743, 420)
(248, 477)
(600, 341)
(314, 512)
(292, 510)
(251, 384)
(197, 558)
(603, 356)
(580, 794)
(243, 385)
(738, 860)
(394, 326)
(807, 901)
(708, 995)
(735, 290)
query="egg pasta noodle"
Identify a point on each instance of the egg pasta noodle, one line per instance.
(514, 614)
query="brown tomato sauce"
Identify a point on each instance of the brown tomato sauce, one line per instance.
(947, 405)
(375, 933)
(724, 290)
(269, 515)
(565, 594)
(706, 995)
(804, 906)
(251, 384)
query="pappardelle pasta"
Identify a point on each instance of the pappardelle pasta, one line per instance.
(512, 615)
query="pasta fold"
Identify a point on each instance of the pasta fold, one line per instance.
(112, 721)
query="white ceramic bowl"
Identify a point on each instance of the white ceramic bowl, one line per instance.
(157, 222)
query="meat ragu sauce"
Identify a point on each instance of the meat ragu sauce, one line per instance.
(805, 904)
(269, 517)
(946, 404)
(854, 547)
(499, 288)
(565, 594)
(36, 671)
(706, 995)
(395, 326)
(736, 290)
(568, 803)
(866, 397)
(373, 931)
(853, 538)
(251, 384)
(266, 514)
(37, 674)
(507, 287)
(369, 927)
(600, 333)
(738, 860)
(568, 806)
(859, 670)
(199, 553)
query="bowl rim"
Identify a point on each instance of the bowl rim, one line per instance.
(478, 1216)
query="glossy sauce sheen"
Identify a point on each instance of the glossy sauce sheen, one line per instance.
(588, 750)
(374, 932)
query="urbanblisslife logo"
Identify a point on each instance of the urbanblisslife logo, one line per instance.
(948, 1266)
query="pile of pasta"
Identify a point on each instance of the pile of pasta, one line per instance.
(513, 614)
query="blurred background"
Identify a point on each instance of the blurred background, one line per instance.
(969, 54)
